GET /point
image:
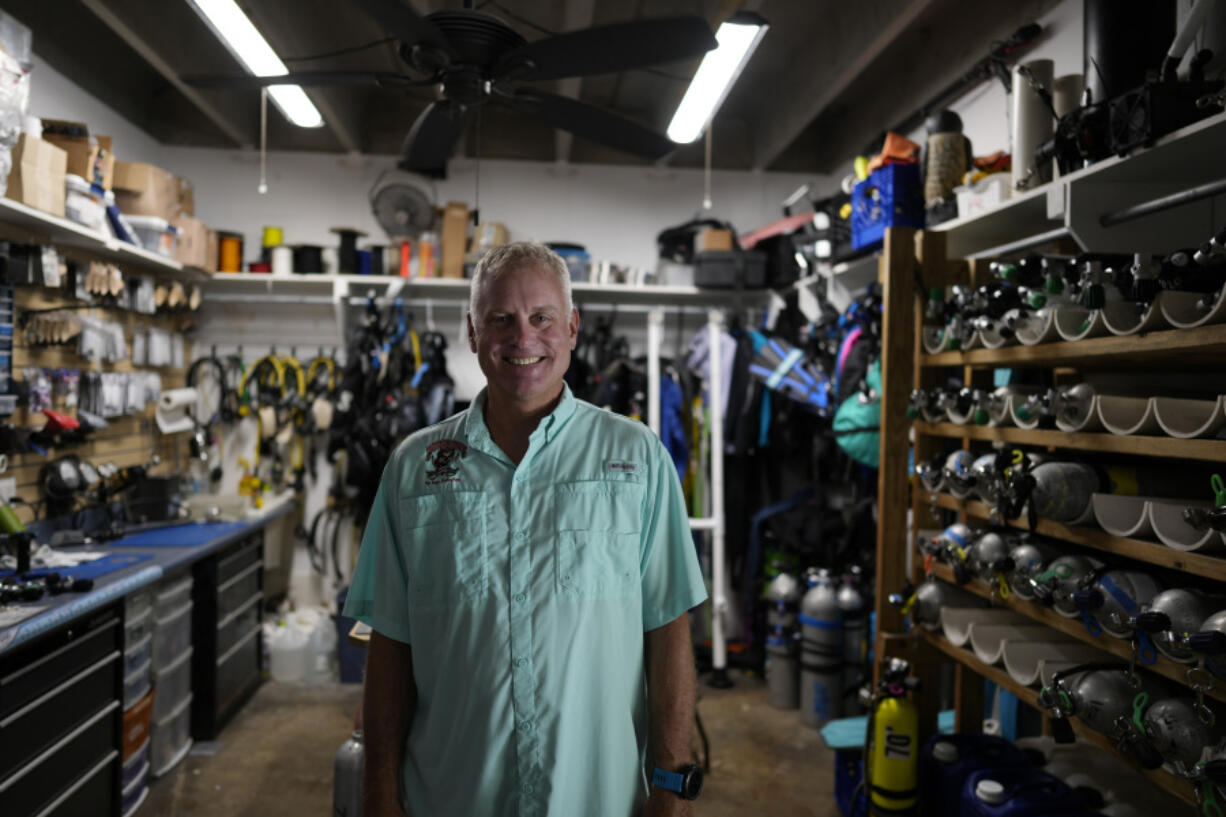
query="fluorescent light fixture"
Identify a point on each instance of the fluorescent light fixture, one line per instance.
(737, 38)
(249, 47)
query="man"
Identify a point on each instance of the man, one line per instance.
(527, 569)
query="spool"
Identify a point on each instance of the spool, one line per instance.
(282, 260)
(308, 259)
(329, 261)
(1032, 125)
(230, 252)
(364, 262)
(347, 255)
(273, 237)
(376, 260)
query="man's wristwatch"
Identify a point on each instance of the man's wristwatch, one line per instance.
(686, 782)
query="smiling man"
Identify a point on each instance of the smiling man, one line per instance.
(527, 569)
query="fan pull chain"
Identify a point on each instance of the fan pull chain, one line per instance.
(263, 186)
(706, 173)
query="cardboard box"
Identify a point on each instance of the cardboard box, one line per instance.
(710, 240)
(193, 248)
(455, 239)
(37, 177)
(212, 249)
(142, 189)
(187, 198)
(489, 234)
(92, 159)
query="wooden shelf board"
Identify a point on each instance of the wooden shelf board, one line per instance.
(1167, 781)
(1210, 567)
(1182, 347)
(1163, 666)
(1207, 450)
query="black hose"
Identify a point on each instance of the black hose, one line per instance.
(1157, 205)
(336, 565)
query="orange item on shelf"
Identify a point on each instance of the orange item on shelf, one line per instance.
(231, 252)
(897, 149)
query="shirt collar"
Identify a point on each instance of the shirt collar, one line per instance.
(477, 433)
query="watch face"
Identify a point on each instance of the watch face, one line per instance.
(692, 785)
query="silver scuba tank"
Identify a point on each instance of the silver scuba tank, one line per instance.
(855, 632)
(1071, 406)
(1101, 696)
(821, 653)
(1063, 490)
(1060, 579)
(1115, 597)
(986, 478)
(1210, 642)
(1179, 731)
(958, 477)
(1029, 559)
(987, 555)
(932, 595)
(932, 475)
(1173, 616)
(782, 648)
(347, 777)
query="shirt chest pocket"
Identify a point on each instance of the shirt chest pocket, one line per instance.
(598, 525)
(446, 559)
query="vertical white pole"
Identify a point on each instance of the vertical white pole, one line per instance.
(655, 322)
(719, 603)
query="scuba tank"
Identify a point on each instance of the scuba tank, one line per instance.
(1109, 699)
(988, 556)
(924, 603)
(932, 474)
(821, 653)
(928, 404)
(1180, 729)
(782, 650)
(1209, 644)
(855, 631)
(1112, 597)
(968, 405)
(1173, 616)
(958, 477)
(1029, 559)
(1061, 491)
(1057, 583)
(951, 546)
(891, 751)
(986, 478)
(347, 774)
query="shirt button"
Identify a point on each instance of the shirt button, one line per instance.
(528, 788)
(519, 662)
(526, 726)
(520, 536)
(520, 597)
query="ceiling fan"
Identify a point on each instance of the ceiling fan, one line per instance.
(473, 58)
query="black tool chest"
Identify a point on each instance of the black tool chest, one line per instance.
(61, 720)
(228, 598)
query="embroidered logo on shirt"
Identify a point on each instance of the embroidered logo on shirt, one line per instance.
(444, 459)
(623, 467)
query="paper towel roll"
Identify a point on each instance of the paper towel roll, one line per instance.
(282, 260)
(1032, 124)
(1066, 93)
(173, 413)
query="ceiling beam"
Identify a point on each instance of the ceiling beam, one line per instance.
(121, 29)
(813, 83)
(577, 14)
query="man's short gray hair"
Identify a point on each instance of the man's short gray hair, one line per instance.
(511, 258)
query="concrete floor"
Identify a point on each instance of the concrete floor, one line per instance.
(275, 758)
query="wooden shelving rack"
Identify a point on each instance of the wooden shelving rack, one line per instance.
(912, 263)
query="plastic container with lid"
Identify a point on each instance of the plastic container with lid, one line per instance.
(171, 636)
(137, 655)
(171, 595)
(1019, 792)
(83, 204)
(155, 234)
(174, 685)
(947, 760)
(170, 738)
(136, 685)
(137, 627)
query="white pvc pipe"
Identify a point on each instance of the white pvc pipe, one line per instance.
(715, 391)
(655, 320)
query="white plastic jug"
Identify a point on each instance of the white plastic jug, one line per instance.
(288, 653)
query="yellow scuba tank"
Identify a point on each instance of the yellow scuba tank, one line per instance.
(891, 756)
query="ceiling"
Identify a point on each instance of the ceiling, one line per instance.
(827, 78)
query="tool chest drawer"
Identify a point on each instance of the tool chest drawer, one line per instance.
(28, 672)
(239, 556)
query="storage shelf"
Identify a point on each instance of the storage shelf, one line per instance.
(1160, 777)
(1074, 627)
(1197, 449)
(65, 233)
(1172, 347)
(1152, 553)
(253, 285)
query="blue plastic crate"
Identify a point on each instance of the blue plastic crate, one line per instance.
(892, 196)
(848, 772)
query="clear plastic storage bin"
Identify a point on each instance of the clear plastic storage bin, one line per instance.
(155, 234)
(137, 655)
(138, 627)
(172, 635)
(170, 738)
(134, 766)
(174, 684)
(83, 205)
(172, 595)
(136, 685)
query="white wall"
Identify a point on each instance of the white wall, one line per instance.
(614, 211)
(55, 96)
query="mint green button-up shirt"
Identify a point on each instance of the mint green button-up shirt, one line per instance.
(525, 592)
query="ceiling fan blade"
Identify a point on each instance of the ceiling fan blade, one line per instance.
(590, 122)
(608, 49)
(307, 79)
(402, 21)
(432, 138)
